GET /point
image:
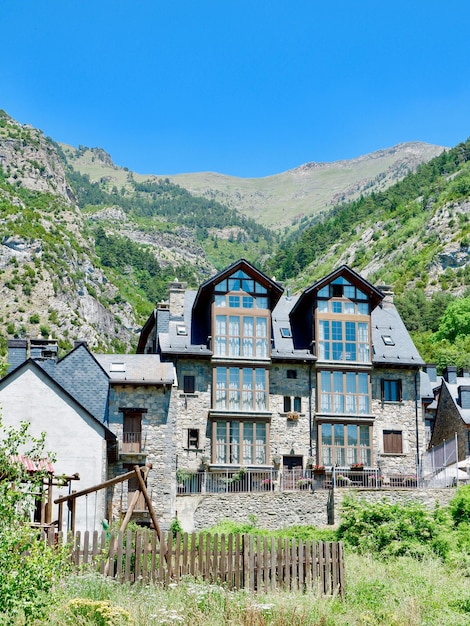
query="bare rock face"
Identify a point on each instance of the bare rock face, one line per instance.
(27, 156)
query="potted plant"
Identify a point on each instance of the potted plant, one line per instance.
(318, 469)
(357, 466)
(267, 484)
(304, 483)
(342, 481)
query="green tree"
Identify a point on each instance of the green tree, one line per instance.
(455, 321)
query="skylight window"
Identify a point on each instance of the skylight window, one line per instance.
(285, 332)
(117, 367)
(388, 341)
(181, 330)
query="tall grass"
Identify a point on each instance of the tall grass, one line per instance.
(401, 592)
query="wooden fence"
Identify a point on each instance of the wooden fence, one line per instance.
(236, 561)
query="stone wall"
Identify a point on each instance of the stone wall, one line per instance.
(159, 444)
(278, 510)
(400, 416)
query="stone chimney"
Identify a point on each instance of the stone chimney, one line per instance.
(464, 396)
(431, 371)
(450, 374)
(17, 353)
(41, 349)
(176, 293)
(387, 292)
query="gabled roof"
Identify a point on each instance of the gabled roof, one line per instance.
(30, 364)
(374, 294)
(453, 389)
(274, 289)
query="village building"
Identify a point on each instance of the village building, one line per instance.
(237, 378)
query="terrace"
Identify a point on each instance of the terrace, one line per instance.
(247, 480)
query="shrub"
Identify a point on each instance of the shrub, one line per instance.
(459, 506)
(385, 530)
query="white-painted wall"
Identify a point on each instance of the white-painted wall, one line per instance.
(72, 435)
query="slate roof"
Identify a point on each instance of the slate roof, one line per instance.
(386, 322)
(283, 347)
(142, 369)
(453, 389)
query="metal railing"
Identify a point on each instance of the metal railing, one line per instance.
(258, 481)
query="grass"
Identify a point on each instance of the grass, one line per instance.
(402, 592)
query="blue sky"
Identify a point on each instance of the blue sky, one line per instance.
(242, 88)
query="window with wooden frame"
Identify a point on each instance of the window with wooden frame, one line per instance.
(345, 444)
(240, 389)
(132, 430)
(344, 392)
(189, 384)
(391, 390)
(241, 322)
(393, 441)
(239, 442)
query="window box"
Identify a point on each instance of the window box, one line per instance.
(293, 416)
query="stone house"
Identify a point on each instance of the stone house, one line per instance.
(452, 413)
(102, 415)
(330, 375)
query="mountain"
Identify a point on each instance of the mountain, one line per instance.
(88, 247)
(285, 199)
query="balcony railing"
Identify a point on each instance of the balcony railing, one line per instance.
(257, 481)
(133, 443)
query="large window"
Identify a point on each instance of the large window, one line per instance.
(245, 333)
(343, 324)
(340, 340)
(240, 389)
(344, 393)
(240, 442)
(344, 444)
(243, 336)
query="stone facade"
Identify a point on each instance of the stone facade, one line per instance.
(158, 445)
(405, 416)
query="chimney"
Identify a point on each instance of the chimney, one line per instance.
(162, 318)
(17, 353)
(463, 372)
(41, 349)
(464, 396)
(176, 292)
(431, 371)
(450, 374)
(387, 292)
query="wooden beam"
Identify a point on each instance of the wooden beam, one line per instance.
(107, 483)
(143, 489)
